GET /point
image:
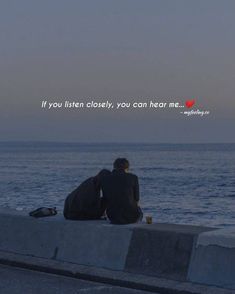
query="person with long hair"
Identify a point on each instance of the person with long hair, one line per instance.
(85, 202)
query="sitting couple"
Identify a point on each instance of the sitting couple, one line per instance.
(120, 199)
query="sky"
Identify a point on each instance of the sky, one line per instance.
(121, 51)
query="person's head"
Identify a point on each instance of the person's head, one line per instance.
(99, 177)
(121, 164)
(103, 173)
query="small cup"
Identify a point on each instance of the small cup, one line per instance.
(149, 220)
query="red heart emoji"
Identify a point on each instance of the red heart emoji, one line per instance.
(190, 103)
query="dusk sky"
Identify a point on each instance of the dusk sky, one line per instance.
(126, 50)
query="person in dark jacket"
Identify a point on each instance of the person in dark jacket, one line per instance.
(85, 203)
(121, 194)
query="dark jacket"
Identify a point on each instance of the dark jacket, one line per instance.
(84, 202)
(121, 195)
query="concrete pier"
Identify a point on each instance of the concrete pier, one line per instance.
(185, 255)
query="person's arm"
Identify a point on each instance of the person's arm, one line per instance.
(136, 190)
(103, 195)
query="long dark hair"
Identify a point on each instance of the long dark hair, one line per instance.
(99, 177)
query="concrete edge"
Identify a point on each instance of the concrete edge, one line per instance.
(115, 278)
(224, 237)
(191, 262)
(212, 260)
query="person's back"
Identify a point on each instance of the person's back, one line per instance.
(121, 194)
(85, 201)
(78, 203)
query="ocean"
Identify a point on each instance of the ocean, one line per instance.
(179, 183)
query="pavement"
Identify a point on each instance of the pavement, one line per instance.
(15, 280)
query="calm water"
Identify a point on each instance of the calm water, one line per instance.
(192, 184)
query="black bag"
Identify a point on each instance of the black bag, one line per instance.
(43, 211)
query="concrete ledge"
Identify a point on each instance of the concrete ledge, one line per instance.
(213, 261)
(158, 251)
(162, 250)
(91, 242)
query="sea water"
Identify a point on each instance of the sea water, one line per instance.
(179, 183)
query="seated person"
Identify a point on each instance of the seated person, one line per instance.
(85, 203)
(121, 194)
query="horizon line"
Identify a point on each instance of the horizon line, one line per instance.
(111, 142)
